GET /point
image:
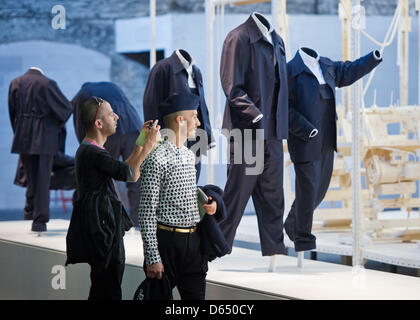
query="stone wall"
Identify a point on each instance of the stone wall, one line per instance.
(91, 24)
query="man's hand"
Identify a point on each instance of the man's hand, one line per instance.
(152, 136)
(154, 270)
(211, 208)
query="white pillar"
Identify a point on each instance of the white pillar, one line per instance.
(152, 8)
(405, 28)
(209, 84)
(356, 97)
(280, 21)
(418, 48)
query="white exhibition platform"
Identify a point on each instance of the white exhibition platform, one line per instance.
(339, 242)
(29, 270)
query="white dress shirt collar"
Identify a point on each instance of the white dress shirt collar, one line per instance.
(38, 69)
(312, 64)
(266, 32)
(187, 66)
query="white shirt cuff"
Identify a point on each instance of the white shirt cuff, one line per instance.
(313, 133)
(377, 54)
(257, 118)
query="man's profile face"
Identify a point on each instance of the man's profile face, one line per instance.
(109, 119)
(192, 122)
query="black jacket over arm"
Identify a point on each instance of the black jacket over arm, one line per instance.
(305, 93)
(38, 112)
(213, 242)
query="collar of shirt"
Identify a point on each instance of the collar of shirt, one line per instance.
(38, 69)
(264, 30)
(313, 65)
(173, 147)
(93, 143)
(188, 67)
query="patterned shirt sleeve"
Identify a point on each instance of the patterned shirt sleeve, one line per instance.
(151, 176)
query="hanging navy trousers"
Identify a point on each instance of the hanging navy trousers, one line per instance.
(312, 181)
(266, 190)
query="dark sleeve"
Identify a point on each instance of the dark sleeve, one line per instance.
(349, 72)
(57, 102)
(234, 64)
(299, 125)
(110, 167)
(154, 93)
(77, 103)
(12, 106)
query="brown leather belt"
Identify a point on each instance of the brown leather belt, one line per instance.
(175, 229)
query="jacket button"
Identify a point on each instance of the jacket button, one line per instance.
(103, 221)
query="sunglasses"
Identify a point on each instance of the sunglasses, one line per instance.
(99, 101)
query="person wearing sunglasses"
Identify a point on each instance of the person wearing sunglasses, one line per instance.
(99, 220)
(122, 142)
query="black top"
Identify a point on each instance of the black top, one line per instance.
(99, 219)
(95, 169)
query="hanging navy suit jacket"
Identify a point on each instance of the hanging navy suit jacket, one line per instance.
(38, 112)
(247, 73)
(169, 76)
(129, 119)
(305, 95)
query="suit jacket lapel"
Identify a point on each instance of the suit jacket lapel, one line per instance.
(328, 73)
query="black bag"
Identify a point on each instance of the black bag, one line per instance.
(154, 289)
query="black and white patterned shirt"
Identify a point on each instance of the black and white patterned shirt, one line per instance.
(168, 194)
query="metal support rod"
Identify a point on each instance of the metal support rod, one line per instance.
(405, 28)
(280, 22)
(418, 48)
(209, 92)
(152, 5)
(300, 258)
(356, 97)
(345, 16)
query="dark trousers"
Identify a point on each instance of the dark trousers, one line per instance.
(106, 282)
(38, 169)
(266, 190)
(183, 263)
(122, 146)
(312, 181)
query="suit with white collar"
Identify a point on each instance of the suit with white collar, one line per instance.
(312, 108)
(169, 76)
(253, 73)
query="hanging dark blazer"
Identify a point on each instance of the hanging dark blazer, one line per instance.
(129, 119)
(304, 94)
(169, 76)
(247, 74)
(38, 111)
